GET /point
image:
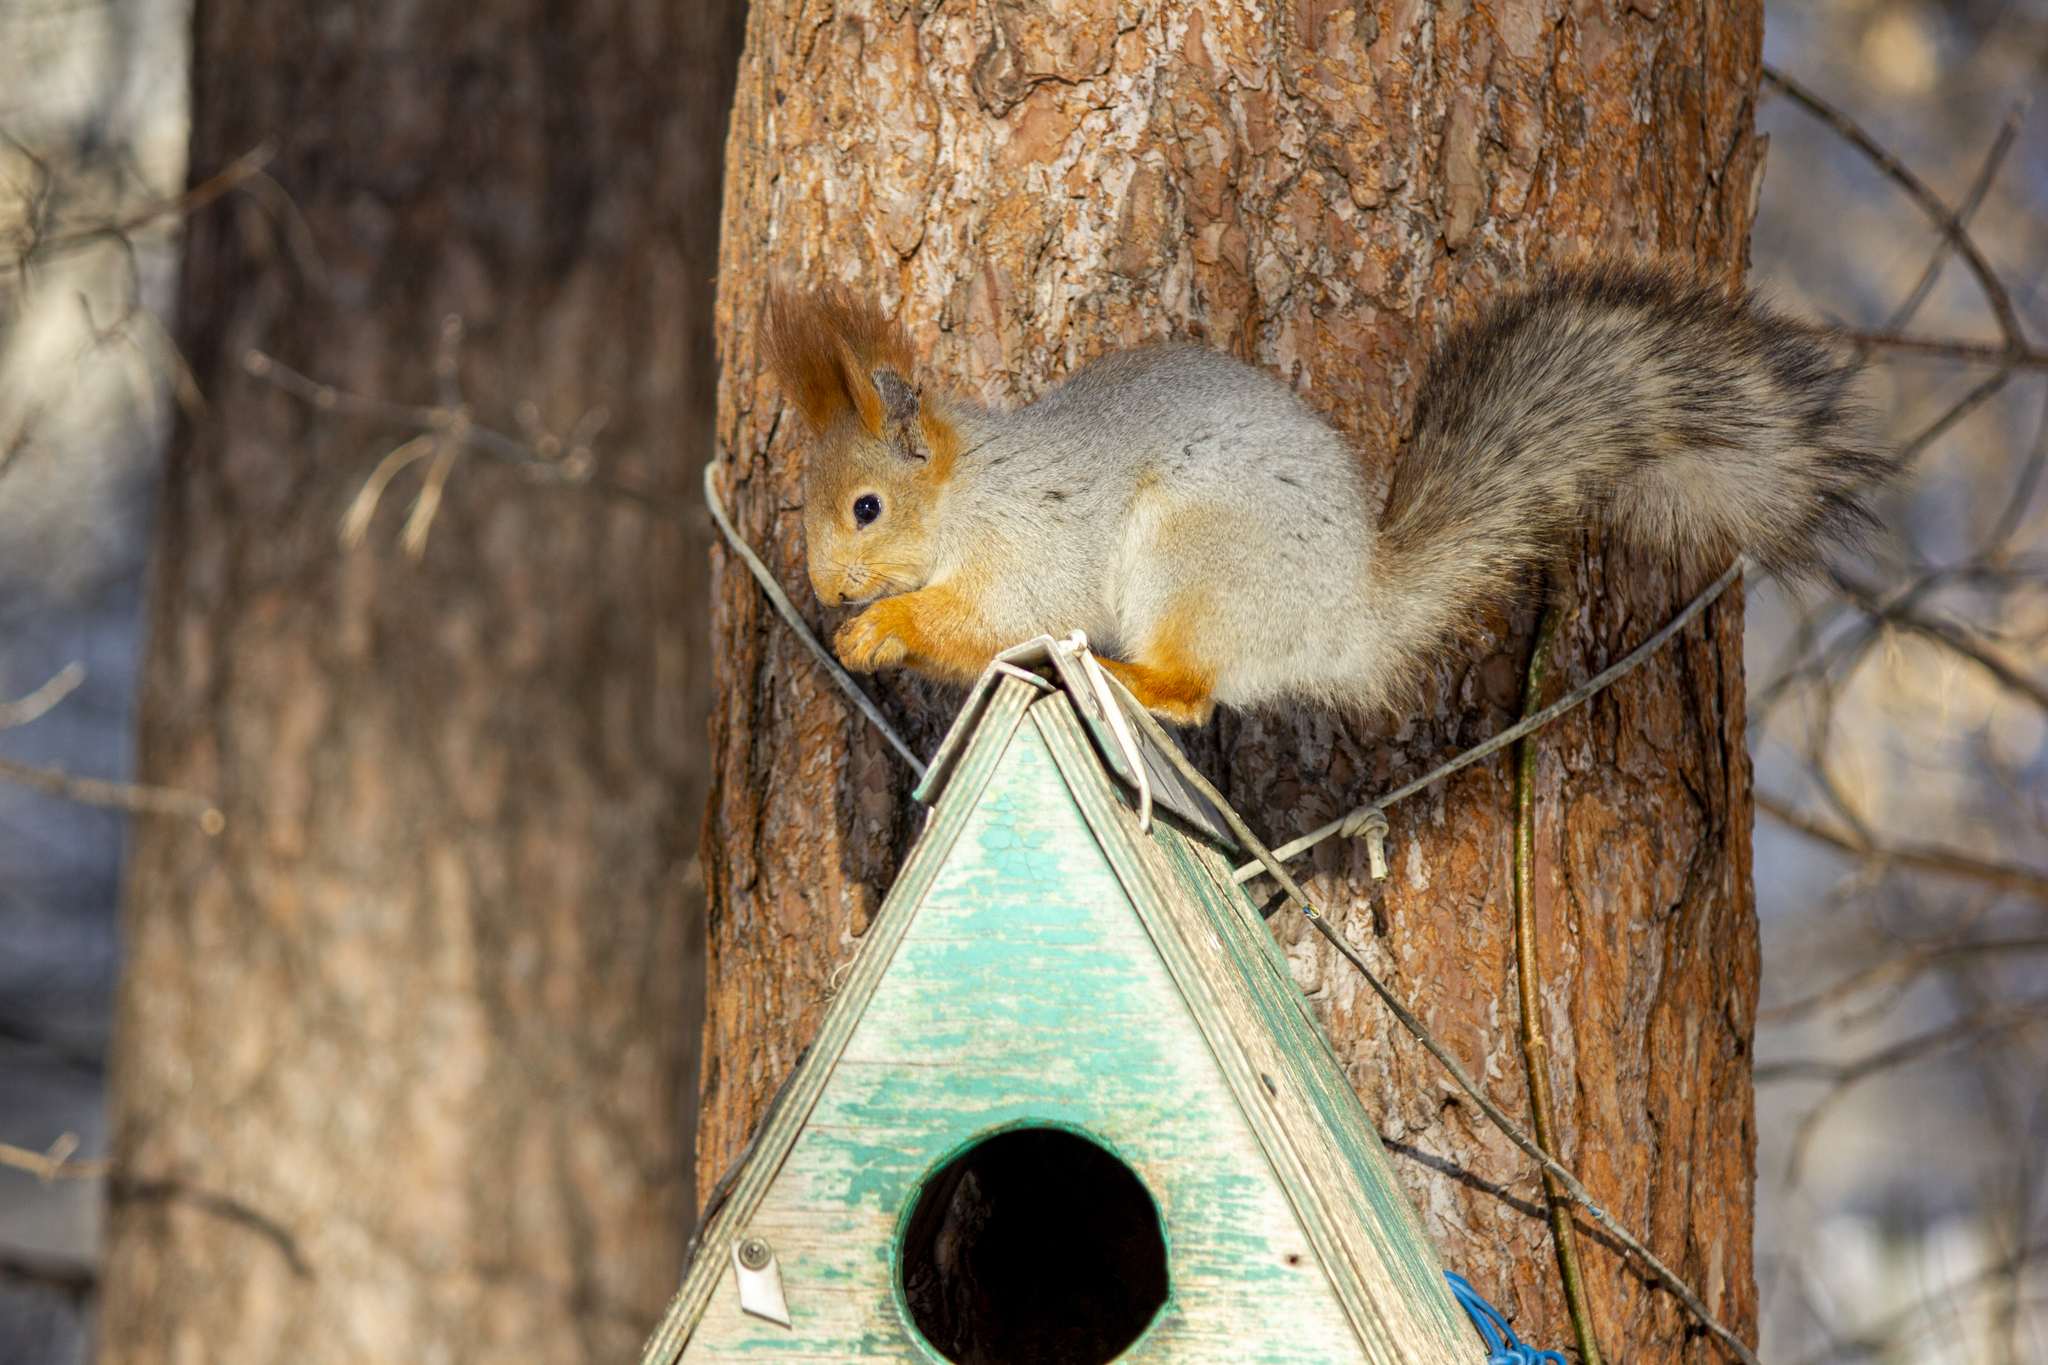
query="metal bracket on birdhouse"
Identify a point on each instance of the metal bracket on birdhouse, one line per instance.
(1372, 823)
(760, 1281)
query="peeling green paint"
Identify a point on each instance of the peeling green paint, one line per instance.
(1011, 979)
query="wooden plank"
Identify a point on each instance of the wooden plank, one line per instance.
(1005, 711)
(1383, 1269)
(957, 737)
(1263, 967)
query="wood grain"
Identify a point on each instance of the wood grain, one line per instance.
(400, 1062)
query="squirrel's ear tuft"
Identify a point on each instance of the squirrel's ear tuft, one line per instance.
(835, 354)
(899, 399)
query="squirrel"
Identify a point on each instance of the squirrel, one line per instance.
(1218, 541)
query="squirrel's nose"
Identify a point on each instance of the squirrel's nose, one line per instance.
(828, 591)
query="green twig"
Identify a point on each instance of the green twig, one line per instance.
(1529, 973)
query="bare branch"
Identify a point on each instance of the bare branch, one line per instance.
(22, 439)
(327, 398)
(158, 343)
(36, 703)
(2001, 143)
(127, 1189)
(1894, 972)
(1891, 339)
(2015, 509)
(1905, 616)
(421, 518)
(1883, 1338)
(1975, 1026)
(55, 1164)
(1956, 412)
(2006, 876)
(572, 468)
(355, 523)
(76, 1280)
(1994, 290)
(298, 234)
(242, 169)
(128, 796)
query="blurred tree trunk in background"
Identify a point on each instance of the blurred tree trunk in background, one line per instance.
(1322, 188)
(401, 1056)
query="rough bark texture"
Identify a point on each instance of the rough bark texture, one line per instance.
(1321, 188)
(401, 1056)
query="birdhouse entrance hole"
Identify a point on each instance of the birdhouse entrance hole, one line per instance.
(1035, 1245)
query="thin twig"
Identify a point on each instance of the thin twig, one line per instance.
(569, 471)
(1987, 279)
(36, 703)
(54, 1164)
(1880, 1341)
(795, 621)
(75, 1280)
(128, 796)
(127, 1189)
(1894, 972)
(2001, 143)
(449, 428)
(1801, 658)
(417, 522)
(2015, 510)
(1944, 633)
(1848, 651)
(298, 233)
(1529, 978)
(1972, 1027)
(1979, 1026)
(1890, 339)
(1957, 411)
(1927, 858)
(244, 167)
(355, 523)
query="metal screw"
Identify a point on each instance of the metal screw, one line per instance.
(755, 1253)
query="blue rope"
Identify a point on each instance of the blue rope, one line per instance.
(1503, 1347)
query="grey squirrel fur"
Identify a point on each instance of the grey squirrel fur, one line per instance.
(1219, 542)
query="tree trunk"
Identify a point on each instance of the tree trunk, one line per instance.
(401, 1057)
(1321, 189)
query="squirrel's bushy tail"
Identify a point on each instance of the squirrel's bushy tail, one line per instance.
(1692, 421)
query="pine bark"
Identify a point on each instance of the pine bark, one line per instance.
(1321, 188)
(401, 1065)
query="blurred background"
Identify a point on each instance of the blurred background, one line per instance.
(1897, 714)
(92, 131)
(1897, 721)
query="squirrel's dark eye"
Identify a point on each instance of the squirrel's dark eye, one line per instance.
(866, 508)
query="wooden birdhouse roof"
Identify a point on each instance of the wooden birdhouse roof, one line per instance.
(1048, 980)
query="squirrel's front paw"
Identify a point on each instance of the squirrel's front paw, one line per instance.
(869, 641)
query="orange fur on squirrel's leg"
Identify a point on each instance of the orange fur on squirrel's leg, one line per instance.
(933, 630)
(1167, 678)
(1180, 695)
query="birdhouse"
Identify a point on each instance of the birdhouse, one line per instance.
(1068, 1104)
